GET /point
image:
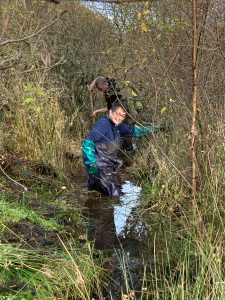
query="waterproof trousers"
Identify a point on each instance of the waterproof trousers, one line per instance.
(106, 182)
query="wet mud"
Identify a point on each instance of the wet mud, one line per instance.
(29, 235)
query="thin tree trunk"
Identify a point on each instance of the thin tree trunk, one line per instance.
(194, 96)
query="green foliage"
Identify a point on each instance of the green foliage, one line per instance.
(66, 271)
(12, 213)
(44, 276)
(38, 125)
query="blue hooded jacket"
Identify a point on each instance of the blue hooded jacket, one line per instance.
(105, 131)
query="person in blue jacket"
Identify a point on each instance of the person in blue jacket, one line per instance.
(102, 144)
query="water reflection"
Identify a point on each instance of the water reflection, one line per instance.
(110, 218)
(123, 209)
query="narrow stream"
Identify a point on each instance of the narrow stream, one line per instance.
(113, 224)
(112, 221)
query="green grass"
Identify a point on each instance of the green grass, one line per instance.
(45, 273)
(186, 245)
(14, 212)
(49, 275)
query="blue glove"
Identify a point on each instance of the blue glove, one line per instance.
(93, 169)
(147, 130)
(88, 149)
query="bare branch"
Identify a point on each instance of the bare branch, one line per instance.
(218, 42)
(4, 27)
(13, 62)
(117, 1)
(61, 62)
(165, 74)
(195, 43)
(34, 33)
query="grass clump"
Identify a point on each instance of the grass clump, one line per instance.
(31, 274)
(38, 129)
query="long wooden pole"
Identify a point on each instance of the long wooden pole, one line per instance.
(92, 106)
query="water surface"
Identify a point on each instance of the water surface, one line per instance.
(112, 221)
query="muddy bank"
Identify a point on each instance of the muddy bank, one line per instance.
(78, 217)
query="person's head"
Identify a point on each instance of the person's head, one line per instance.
(118, 112)
(101, 84)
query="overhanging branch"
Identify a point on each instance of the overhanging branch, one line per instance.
(117, 1)
(34, 33)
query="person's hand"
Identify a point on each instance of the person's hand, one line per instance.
(93, 114)
(89, 88)
(93, 170)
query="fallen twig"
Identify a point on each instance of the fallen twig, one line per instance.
(6, 175)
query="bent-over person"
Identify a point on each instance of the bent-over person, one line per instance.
(111, 90)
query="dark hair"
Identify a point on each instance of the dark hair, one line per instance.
(119, 104)
(101, 80)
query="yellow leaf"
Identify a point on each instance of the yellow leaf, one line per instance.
(146, 12)
(144, 27)
(29, 100)
(163, 110)
(105, 52)
(146, 3)
(133, 93)
(38, 110)
(139, 16)
(144, 60)
(126, 82)
(171, 100)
